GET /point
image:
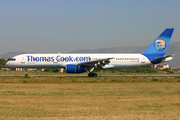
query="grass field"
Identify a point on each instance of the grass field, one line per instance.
(99, 72)
(89, 98)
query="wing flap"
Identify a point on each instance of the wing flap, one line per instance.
(99, 62)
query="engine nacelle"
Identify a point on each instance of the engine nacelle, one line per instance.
(71, 68)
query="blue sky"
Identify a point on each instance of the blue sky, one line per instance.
(52, 26)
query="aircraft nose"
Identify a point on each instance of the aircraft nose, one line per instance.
(7, 64)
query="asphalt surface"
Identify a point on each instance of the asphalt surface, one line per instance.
(110, 76)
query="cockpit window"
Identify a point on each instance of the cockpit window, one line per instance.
(12, 59)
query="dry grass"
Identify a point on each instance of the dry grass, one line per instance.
(89, 98)
(100, 73)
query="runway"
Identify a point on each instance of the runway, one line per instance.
(100, 76)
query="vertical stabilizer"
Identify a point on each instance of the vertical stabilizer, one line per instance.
(158, 48)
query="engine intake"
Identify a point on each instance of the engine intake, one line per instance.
(71, 68)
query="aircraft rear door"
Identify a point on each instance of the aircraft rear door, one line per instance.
(143, 60)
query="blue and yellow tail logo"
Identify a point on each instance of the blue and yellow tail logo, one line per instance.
(160, 45)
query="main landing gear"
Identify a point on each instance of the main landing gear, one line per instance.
(25, 72)
(91, 74)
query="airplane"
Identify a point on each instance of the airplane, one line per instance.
(79, 63)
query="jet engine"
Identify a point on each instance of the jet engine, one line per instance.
(72, 68)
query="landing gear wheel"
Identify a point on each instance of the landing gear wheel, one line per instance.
(95, 75)
(92, 75)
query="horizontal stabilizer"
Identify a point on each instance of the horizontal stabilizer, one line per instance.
(161, 58)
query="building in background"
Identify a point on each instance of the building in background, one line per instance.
(161, 66)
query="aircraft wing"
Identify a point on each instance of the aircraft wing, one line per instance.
(161, 58)
(96, 63)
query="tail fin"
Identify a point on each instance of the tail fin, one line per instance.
(158, 48)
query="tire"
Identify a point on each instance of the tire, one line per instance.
(95, 75)
(90, 75)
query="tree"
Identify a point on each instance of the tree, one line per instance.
(2, 63)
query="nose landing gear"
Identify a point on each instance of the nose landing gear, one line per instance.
(25, 72)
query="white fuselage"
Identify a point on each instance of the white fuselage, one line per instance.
(119, 61)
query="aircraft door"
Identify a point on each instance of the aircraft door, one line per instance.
(113, 60)
(55, 60)
(23, 60)
(142, 60)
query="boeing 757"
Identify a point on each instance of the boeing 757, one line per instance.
(79, 63)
